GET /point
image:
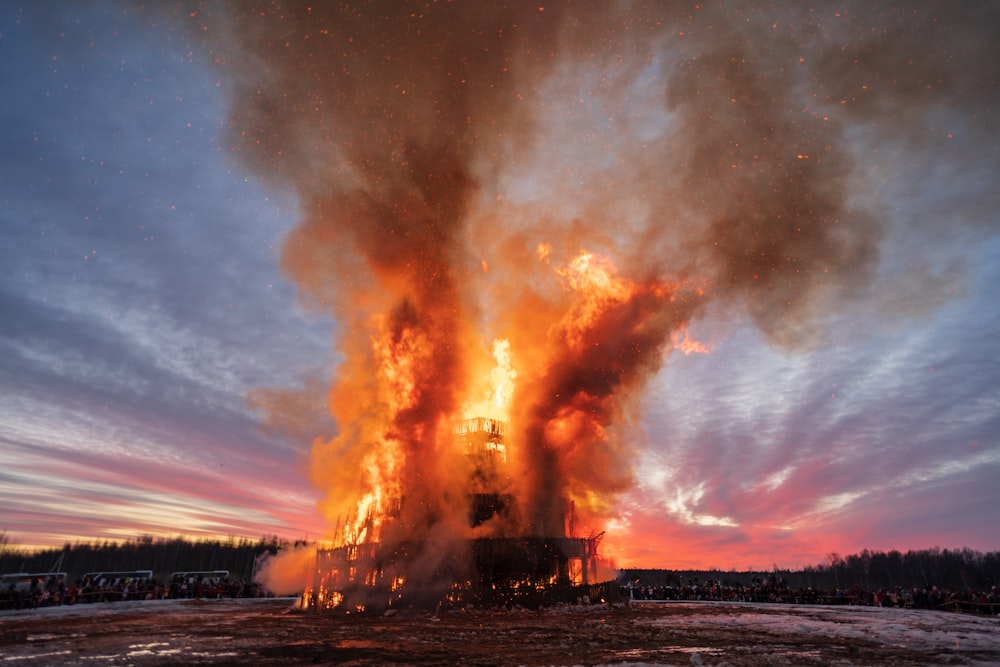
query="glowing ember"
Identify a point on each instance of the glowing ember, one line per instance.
(683, 342)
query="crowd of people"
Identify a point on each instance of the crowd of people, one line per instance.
(51, 590)
(776, 589)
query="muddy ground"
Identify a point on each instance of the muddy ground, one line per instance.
(272, 632)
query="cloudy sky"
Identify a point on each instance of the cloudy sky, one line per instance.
(142, 305)
(141, 295)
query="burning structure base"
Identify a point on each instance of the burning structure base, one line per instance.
(499, 571)
(488, 572)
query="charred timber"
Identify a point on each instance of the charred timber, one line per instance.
(527, 571)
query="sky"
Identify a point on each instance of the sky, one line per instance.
(166, 354)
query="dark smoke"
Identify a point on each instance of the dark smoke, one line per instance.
(715, 152)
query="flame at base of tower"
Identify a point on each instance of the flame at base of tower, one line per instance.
(373, 575)
(490, 572)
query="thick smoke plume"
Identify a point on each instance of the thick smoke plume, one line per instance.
(579, 180)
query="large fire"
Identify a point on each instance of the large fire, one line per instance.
(513, 213)
(415, 478)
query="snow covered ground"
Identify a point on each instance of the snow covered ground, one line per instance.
(272, 632)
(937, 636)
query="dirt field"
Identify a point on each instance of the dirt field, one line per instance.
(270, 632)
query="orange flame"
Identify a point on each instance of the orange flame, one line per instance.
(683, 342)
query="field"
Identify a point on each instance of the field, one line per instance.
(272, 632)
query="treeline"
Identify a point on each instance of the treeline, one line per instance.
(953, 569)
(161, 555)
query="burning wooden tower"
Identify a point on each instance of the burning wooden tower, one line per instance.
(494, 566)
